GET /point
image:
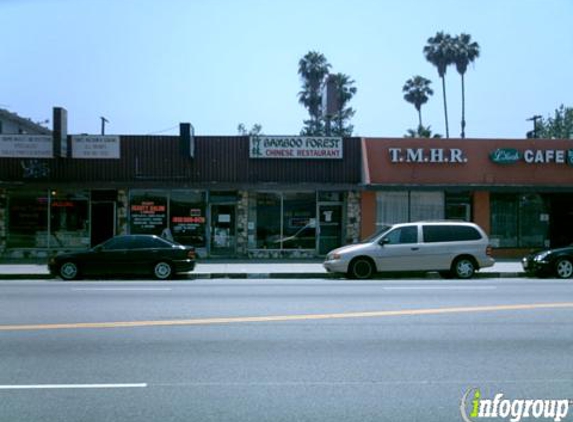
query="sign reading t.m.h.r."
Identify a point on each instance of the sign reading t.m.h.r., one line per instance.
(427, 155)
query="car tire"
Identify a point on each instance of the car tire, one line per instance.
(564, 268)
(463, 267)
(69, 270)
(361, 269)
(163, 270)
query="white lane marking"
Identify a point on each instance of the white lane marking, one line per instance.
(121, 289)
(69, 386)
(358, 382)
(441, 288)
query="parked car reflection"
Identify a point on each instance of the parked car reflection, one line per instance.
(126, 255)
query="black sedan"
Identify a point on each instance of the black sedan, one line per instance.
(550, 262)
(126, 255)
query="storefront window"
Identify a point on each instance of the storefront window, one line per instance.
(69, 220)
(268, 214)
(285, 221)
(426, 206)
(188, 218)
(405, 206)
(28, 221)
(66, 212)
(533, 221)
(518, 221)
(148, 212)
(459, 206)
(391, 208)
(299, 221)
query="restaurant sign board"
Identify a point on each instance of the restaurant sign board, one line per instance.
(26, 146)
(505, 156)
(532, 156)
(295, 147)
(94, 146)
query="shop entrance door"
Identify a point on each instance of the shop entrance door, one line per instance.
(223, 239)
(330, 228)
(102, 222)
(561, 220)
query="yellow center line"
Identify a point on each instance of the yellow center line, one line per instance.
(286, 318)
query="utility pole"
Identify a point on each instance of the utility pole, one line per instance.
(534, 119)
(103, 122)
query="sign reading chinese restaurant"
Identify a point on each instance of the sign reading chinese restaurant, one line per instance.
(295, 147)
(93, 146)
(26, 146)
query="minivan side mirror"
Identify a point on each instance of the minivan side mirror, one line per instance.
(383, 241)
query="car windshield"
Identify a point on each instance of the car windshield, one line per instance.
(374, 236)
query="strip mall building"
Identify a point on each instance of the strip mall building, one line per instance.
(275, 196)
(519, 191)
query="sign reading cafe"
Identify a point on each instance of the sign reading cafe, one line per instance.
(532, 156)
(293, 147)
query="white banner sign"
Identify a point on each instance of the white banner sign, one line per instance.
(94, 146)
(26, 146)
(295, 147)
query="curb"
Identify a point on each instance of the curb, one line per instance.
(243, 276)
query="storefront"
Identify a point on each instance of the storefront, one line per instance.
(519, 191)
(264, 197)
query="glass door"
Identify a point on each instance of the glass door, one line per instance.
(223, 241)
(330, 228)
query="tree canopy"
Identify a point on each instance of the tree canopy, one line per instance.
(560, 126)
(417, 91)
(314, 70)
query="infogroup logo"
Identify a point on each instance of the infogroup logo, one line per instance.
(473, 407)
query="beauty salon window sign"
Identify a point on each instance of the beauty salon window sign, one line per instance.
(295, 147)
(148, 214)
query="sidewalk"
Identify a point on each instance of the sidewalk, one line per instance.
(248, 269)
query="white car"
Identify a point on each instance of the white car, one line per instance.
(454, 249)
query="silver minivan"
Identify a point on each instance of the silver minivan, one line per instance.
(454, 249)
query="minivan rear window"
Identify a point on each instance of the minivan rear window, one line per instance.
(437, 233)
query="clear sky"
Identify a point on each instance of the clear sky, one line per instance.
(147, 65)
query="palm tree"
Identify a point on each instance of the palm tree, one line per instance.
(312, 68)
(421, 132)
(439, 51)
(345, 90)
(465, 52)
(417, 92)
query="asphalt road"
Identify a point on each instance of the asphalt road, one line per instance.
(279, 350)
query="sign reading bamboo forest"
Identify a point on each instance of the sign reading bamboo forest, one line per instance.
(292, 147)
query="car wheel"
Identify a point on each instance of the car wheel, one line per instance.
(361, 269)
(162, 270)
(564, 268)
(69, 270)
(463, 268)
